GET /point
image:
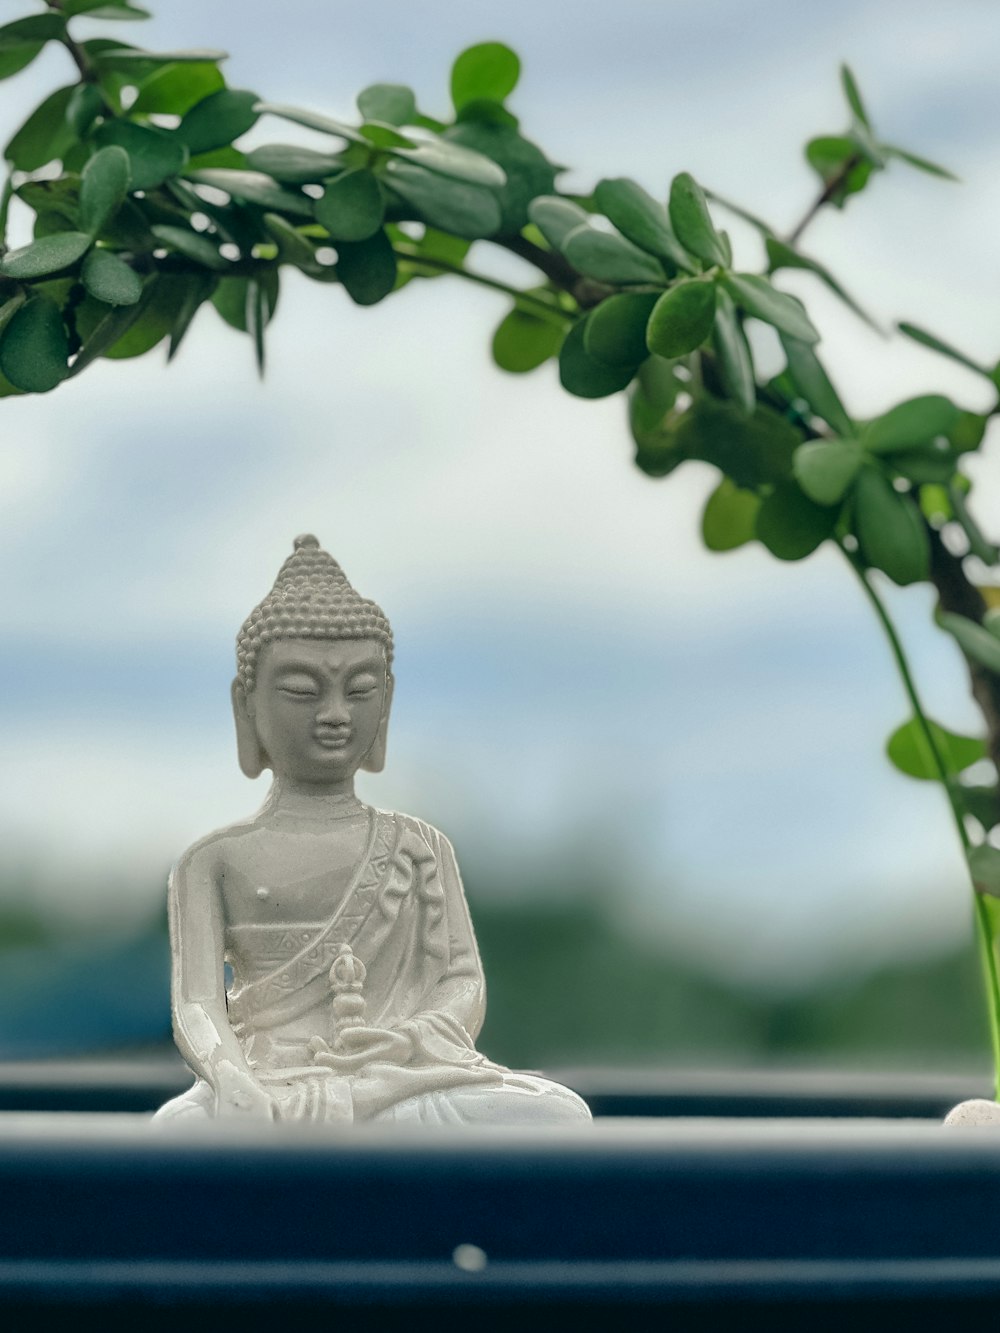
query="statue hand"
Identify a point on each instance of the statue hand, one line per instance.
(359, 1046)
(238, 1093)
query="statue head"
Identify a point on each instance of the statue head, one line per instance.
(314, 679)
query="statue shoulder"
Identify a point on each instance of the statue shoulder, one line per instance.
(410, 825)
(212, 852)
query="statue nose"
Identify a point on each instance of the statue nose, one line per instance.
(333, 712)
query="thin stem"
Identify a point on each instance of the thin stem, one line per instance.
(6, 195)
(552, 313)
(987, 955)
(822, 199)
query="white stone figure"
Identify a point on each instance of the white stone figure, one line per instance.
(357, 991)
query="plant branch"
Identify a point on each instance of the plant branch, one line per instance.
(543, 308)
(984, 933)
(585, 291)
(822, 199)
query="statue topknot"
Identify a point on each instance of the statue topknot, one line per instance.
(311, 599)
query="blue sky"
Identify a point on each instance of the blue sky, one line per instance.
(579, 682)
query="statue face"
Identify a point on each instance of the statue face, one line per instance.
(317, 705)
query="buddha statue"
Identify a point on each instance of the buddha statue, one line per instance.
(355, 990)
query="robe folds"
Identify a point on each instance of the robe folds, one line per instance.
(405, 918)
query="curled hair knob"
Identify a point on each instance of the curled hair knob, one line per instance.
(306, 542)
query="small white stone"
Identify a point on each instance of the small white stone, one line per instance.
(977, 1112)
(263, 893)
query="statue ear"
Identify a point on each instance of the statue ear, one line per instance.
(252, 758)
(374, 760)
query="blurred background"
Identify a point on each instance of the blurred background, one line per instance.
(662, 770)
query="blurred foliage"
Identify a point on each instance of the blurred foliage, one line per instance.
(147, 210)
(565, 986)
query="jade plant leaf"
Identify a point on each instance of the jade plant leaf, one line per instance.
(34, 348)
(193, 245)
(103, 187)
(50, 254)
(910, 751)
(109, 279)
(791, 525)
(608, 257)
(811, 381)
(682, 318)
(217, 120)
(692, 222)
(367, 268)
(45, 135)
(641, 219)
(914, 422)
(758, 298)
(389, 102)
(255, 188)
(730, 517)
(175, 89)
(889, 529)
(292, 164)
(523, 341)
(488, 72)
(976, 641)
(825, 469)
(154, 155)
(615, 330)
(582, 374)
(457, 206)
(984, 867)
(557, 218)
(733, 353)
(352, 206)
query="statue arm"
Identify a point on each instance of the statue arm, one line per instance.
(461, 992)
(201, 1023)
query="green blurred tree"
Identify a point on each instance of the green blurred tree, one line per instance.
(145, 211)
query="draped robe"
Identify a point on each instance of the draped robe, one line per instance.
(404, 916)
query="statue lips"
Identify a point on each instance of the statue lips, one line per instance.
(332, 738)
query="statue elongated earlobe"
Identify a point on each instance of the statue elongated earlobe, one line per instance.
(374, 760)
(252, 758)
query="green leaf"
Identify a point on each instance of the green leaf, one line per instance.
(217, 120)
(556, 218)
(45, 135)
(652, 418)
(889, 528)
(193, 245)
(293, 247)
(610, 258)
(104, 9)
(487, 112)
(983, 804)
(921, 163)
(35, 28)
(312, 120)
(154, 155)
(825, 469)
(175, 89)
(840, 159)
(524, 341)
(253, 187)
(615, 330)
(528, 173)
(935, 504)
(352, 207)
(925, 465)
(130, 331)
(83, 108)
(936, 344)
(109, 279)
(854, 96)
(974, 640)
(780, 255)
(389, 102)
(733, 354)
(34, 349)
(916, 421)
(582, 374)
(752, 451)
(199, 289)
(811, 382)
(103, 187)
(984, 867)
(48, 255)
(293, 165)
(682, 318)
(692, 222)
(232, 295)
(446, 158)
(466, 210)
(978, 545)
(730, 517)
(488, 71)
(758, 298)
(791, 525)
(910, 751)
(125, 57)
(15, 56)
(641, 219)
(367, 269)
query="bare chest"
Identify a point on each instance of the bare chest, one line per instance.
(278, 877)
